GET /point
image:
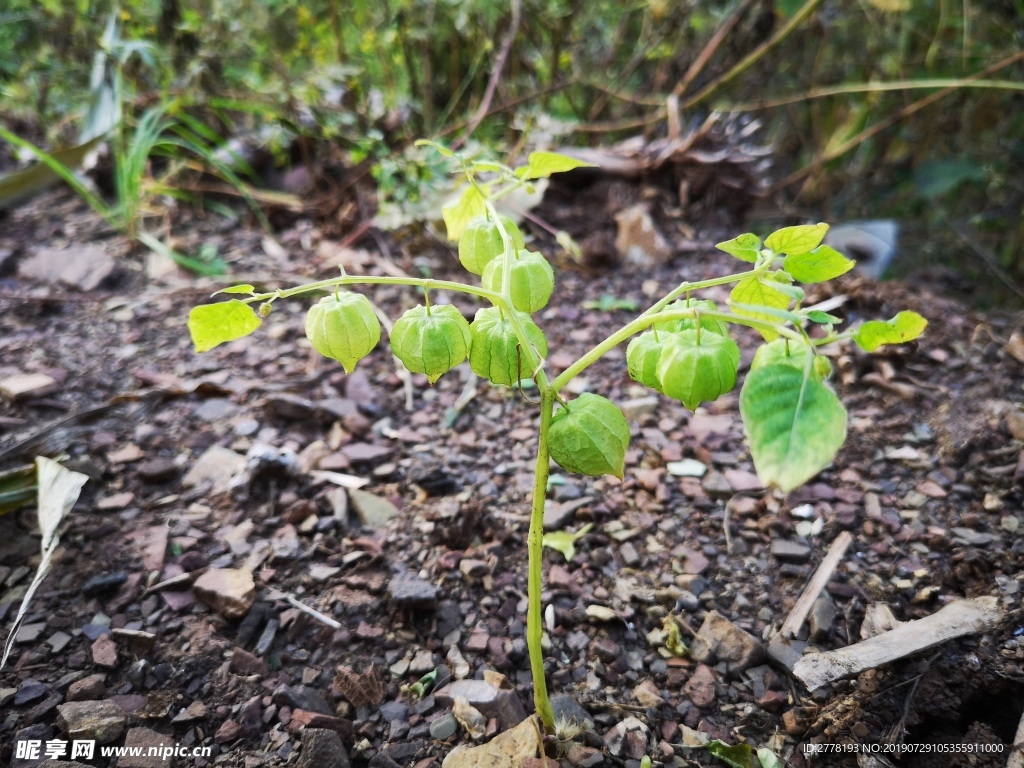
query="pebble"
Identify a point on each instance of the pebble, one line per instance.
(503, 704)
(687, 468)
(790, 551)
(410, 591)
(720, 640)
(322, 748)
(26, 385)
(30, 633)
(144, 739)
(444, 727)
(245, 663)
(99, 721)
(85, 267)
(372, 510)
(215, 467)
(701, 686)
(29, 691)
(228, 732)
(104, 652)
(158, 470)
(228, 591)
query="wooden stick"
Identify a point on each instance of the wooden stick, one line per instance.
(1017, 753)
(803, 606)
(964, 617)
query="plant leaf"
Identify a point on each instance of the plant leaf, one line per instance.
(58, 491)
(247, 289)
(753, 292)
(735, 755)
(213, 324)
(823, 318)
(565, 542)
(795, 424)
(906, 326)
(817, 266)
(796, 239)
(744, 247)
(767, 758)
(590, 436)
(433, 144)
(457, 215)
(543, 164)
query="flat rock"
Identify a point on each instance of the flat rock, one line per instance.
(444, 727)
(500, 703)
(158, 470)
(99, 721)
(216, 466)
(144, 739)
(84, 267)
(368, 452)
(104, 652)
(229, 591)
(26, 385)
(322, 748)
(39, 732)
(559, 514)
(372, 510)
(790, 551)
(720, 640)
(88, 689)
(409, 591)
(302, 697)
(700, 688)
(29, 691)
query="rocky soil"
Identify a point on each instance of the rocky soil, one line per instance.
(232, 492)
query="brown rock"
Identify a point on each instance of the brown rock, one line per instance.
(88, 688)
(720, 640)
(245, 663)
(85, 268)
(145, 739)
(639, 241)
(104, 652)
(227, 732)
(99, 721)
(302, 718)
(229, 591)
(701, 686)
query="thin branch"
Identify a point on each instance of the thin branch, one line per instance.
(499, 66)
(888, 122)
(709, 50)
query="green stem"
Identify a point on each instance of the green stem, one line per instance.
(535, 543)
(426, 284)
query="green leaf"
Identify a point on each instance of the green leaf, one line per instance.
(767, 758)
(688, 324)
(906, 326)
(565, 542)
(440, 148)
(590, 436)
(779, 314)
(796, 239)
(817, 266)
(753, 292)
(795, 424)
(823, 318)
(735, 755)
(693, 371)
(248, 289)
(458, 215)
(936, 179)
(213, 324)
(744, 247)
(543, 164)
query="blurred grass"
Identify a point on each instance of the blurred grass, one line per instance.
(368, 76)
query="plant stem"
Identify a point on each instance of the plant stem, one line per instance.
(535, 545)
(424, 283)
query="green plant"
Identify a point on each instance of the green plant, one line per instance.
(794, 422)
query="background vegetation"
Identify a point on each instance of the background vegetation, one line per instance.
(879, 108)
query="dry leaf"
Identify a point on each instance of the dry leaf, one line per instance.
(58, 492)
(361, 690)
(507, 750)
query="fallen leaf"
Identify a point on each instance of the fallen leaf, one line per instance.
(507, 750)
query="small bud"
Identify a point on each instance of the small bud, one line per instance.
(265, 308)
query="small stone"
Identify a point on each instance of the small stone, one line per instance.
(142, 740)
(30, 633)
(742, 481)
(716, 486)
(473, 569)
(373, 510)
(302, 697)
(228, 591)
(7, 695)
(30, 690)
(971, 537)
(720, 640)
(302, 718)
(701, 686)
(85, 267)
(365, 452)
(444, 727)
(686, 468)
(39, 733)
(291, 407)
(104, 652)
(823, 615)
(410, 591)
(503, 704)
(104, 583)
(99, 721)
(648, 695)
(27, 385)
(790, 551)
(193, 712)
(322, 748)
(244, 663)
(618, 740)
(227, 732)
(158, 470)
(89, 688)
(216, 467)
